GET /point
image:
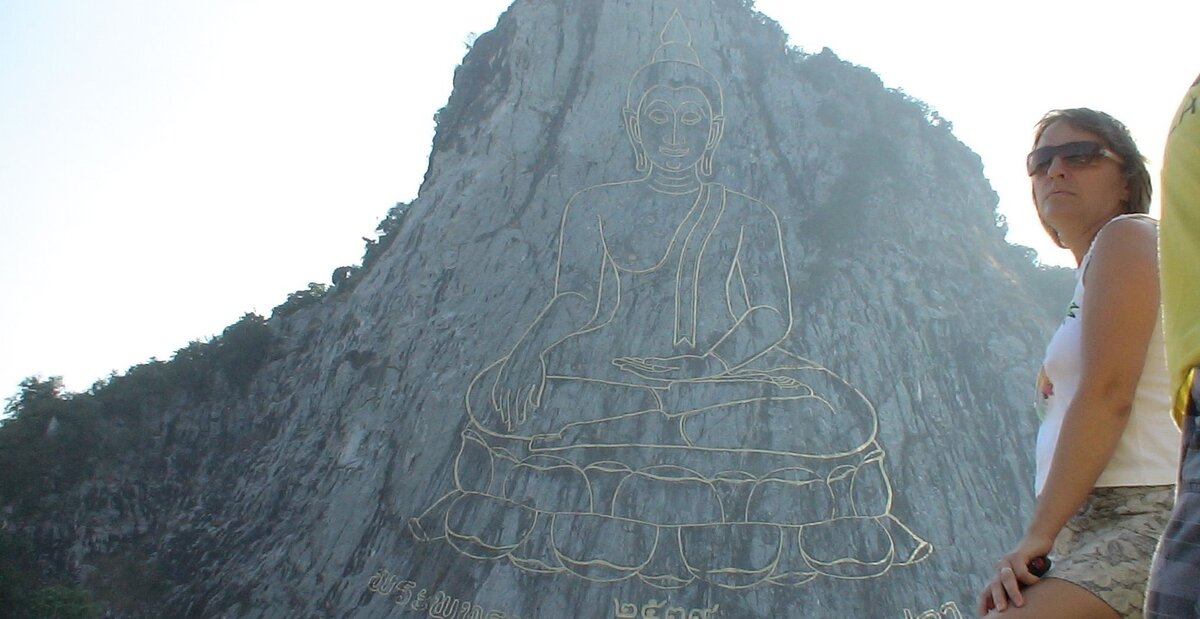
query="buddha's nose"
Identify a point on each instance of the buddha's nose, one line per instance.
(675, 138)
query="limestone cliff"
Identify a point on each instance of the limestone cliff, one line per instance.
(684, 322)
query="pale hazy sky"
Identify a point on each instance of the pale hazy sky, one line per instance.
(168, 165)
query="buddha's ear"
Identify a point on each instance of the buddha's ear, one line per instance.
(715, 130)
(631, 126)
(634, 131)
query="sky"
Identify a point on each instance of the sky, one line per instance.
(168, 165)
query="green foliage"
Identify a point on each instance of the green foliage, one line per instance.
(16, 568)
(391, 223)
(387, 230)
(59, 602)
(128, 581)
(52, 440)
(47, 440)
(24, 595)
(300, 299)
(345, 278)
(243, 347)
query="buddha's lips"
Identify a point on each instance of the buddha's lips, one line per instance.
(674, 152)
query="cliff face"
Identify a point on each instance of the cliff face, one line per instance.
(682, 321)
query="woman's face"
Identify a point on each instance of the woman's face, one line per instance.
(674, 124)
(1077, 197)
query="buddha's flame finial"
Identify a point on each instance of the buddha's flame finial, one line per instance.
(676, 42)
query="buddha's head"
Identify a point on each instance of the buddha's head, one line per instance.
(673, 110)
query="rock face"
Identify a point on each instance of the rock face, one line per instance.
(684, 323)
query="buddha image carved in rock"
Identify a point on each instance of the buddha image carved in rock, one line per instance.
(649, 422)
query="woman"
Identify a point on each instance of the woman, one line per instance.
(1106, 447)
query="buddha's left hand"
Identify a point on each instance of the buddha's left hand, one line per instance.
(676, 368)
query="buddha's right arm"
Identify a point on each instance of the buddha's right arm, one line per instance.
(566, 314)
(581, 275)
(522, 378)
(574, 308)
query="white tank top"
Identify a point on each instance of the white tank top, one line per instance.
(1148, 451)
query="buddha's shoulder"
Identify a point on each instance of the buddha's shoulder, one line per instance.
(748, 209)
(604, 196)
(602, 190)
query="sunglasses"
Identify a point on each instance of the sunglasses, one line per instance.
(1074, 155)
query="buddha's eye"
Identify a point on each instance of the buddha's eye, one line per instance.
(691, 118)
(658, 116)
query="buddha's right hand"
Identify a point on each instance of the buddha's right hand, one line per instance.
(518, 388)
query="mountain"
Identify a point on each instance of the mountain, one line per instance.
(683, 323)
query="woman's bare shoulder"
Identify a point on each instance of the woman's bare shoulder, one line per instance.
(1127, 235)
(1126, 247)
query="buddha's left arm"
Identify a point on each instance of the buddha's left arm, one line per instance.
(759, 274)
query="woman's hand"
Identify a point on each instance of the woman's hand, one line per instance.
(1011, 574)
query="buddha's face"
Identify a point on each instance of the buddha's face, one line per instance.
(675, 125)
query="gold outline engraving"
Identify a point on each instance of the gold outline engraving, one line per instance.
(694, 457)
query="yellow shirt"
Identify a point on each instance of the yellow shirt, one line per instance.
(1179, 247)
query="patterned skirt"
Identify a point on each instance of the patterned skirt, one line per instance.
(1108, 544)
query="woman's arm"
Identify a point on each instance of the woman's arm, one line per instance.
(1119, 315)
